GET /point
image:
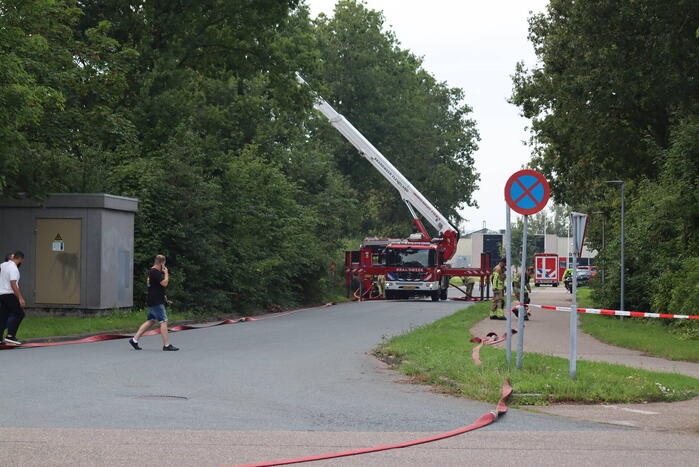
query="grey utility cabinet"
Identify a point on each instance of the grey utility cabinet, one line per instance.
(78, 250)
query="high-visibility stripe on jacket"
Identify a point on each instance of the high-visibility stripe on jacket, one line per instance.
(498, 278)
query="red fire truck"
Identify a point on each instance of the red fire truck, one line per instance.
(546, 269)
(401, 268)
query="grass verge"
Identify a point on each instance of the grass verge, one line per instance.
(45, 326)
(440, 354)
(647, 335)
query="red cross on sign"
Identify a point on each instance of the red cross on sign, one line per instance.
(527, 192)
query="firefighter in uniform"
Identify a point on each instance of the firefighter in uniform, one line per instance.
(381, 285)
(498, 279)
(470, 283)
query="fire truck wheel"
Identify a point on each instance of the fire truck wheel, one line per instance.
(555, 284)
(435, 296)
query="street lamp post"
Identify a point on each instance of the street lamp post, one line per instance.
(621, 242)
(604, 224)
(568, 251)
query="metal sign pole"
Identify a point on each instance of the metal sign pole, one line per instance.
(508, 287)
(578, 222)
(521, 312)
(574, 319)
(621, 299)
(526, 192)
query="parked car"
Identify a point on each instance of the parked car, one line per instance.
(592, 269)
(584, 276)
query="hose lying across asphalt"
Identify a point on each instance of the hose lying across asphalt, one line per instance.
(484, 420)
(178, 328)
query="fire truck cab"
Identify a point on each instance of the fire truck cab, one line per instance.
(395, 269)
(410, 271)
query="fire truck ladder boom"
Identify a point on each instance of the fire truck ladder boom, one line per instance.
(410, 195)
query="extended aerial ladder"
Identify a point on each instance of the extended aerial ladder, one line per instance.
(413, 199)
(448, 236)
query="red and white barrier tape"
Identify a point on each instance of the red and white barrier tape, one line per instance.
(598, 311)
(178, 328)
(484, 420)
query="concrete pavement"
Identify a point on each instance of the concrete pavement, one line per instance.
(175, 448)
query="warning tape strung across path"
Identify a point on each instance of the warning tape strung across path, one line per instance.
(597, 311)
(178, 328)
(484, 420)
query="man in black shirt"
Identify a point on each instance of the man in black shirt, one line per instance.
(158, 279)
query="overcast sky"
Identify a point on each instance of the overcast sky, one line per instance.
(473, 45)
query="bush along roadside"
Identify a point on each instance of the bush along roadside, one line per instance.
(440, 354)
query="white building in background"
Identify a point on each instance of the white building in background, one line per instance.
(471, 245)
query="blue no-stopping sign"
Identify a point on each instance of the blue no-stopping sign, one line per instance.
(527, 192)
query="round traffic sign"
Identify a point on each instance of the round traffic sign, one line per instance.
(527, 192)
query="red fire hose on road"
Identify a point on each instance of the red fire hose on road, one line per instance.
(484, 420)
(178, 328)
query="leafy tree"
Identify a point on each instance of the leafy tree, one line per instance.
(661, 228)
(611, 81)
(553, 220)
(194, 109)
(615, 95)
(58, 94)
(420, 124)
(678, 289)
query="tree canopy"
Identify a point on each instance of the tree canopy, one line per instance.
(194, 109)
(615, 96)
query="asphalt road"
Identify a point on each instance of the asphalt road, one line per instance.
(299, 384)
(307, 371)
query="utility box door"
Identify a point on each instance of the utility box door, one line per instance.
(58, 245)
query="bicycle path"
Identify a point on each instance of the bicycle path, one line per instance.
(547, 332)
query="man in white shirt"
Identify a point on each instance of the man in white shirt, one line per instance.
(11, 299)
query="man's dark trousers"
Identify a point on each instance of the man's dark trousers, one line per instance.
(11, 314)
